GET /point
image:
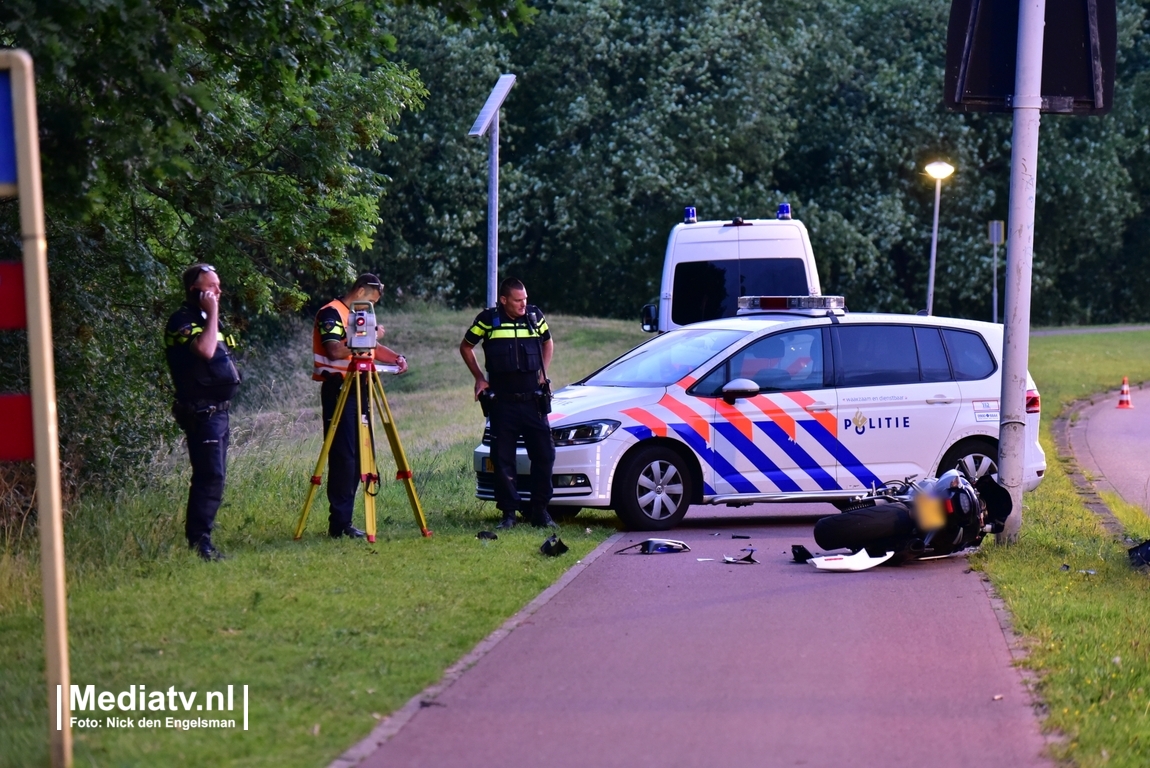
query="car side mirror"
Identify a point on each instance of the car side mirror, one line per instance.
(739, 388)
(650, 318)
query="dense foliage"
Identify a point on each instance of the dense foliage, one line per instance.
(624, 112)
(289, 141)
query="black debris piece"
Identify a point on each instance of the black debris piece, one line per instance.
(800, 553)
(553, 547)
(1139, 555)
(656, 547)
(486, 535)
(739, 536)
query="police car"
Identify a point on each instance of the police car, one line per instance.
(794, 400)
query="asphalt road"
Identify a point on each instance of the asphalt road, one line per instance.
(1114, 446)
(663, 660)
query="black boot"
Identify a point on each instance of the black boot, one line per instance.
(348, 530)
(206, 550)
(541, 518)
(508, 521)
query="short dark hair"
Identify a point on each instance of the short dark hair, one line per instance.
(192, 274)
(367, 280)
(511, 284)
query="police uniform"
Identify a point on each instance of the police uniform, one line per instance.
(204, 389)
(343, 457)
(513, 356)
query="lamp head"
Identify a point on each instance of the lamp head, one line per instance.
(939, 170)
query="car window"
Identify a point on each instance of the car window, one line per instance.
(932, 362)
(969, 356)
(782, 362)
(707, 290)
(872, 355)
(665, 359)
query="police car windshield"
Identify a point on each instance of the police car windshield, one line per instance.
(665, 359)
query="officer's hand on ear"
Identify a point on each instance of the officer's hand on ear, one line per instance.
(208, 301)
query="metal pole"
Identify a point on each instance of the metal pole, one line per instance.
(933, 250)
(1027, 105)
(49, 505)
(493, 214)
(994, 289)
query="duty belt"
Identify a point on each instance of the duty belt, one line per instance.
(516, 397)
(201, 406)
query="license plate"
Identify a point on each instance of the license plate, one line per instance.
(488, 466)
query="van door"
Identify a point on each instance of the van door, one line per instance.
(897, 401)
(782, 440)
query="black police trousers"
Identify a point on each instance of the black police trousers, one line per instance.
(509, 420)
(208, 436)
(343, 457)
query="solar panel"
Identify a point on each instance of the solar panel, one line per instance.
(494, 102)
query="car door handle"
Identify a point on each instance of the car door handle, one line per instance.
(940, 399)
(818, 407)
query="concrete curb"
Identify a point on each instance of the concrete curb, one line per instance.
(1068, 429)
(394, 722)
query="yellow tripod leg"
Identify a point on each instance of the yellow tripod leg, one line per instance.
(317, 476)
(403, 468)
(366, 459)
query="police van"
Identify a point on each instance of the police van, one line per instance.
(794, 400)
(710, 264)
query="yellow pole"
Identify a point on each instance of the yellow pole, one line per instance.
(49, 504)
(366, 452)
(404, 472)
(317, 476)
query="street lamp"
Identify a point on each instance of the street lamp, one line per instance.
(938, 171)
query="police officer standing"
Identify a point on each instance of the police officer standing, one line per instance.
(330, 358)
(517, 349)
(206, 380)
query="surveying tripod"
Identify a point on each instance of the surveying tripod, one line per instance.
(361, 368)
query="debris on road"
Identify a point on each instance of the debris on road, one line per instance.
(705, 559)
(747, 559)
(860, 561)
(739, 536)
(656, 547)
(800, 553)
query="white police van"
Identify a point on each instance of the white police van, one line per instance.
(795, 400)
(710, 264)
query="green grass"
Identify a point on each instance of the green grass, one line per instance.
(327, 634)
(1086, 632)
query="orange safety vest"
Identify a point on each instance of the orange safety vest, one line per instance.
(321, 362)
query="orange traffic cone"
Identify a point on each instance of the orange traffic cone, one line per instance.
(1124, 395)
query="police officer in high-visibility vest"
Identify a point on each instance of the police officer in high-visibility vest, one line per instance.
(205, 378)
(330, 357)
(517, 349)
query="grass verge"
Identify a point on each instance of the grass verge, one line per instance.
(1082, 610)
(330, 636)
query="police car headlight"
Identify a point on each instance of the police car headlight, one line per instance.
(581, 434)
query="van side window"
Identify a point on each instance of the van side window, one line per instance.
(969, 356)
(931, 356)
(707, 290)
(870, 355)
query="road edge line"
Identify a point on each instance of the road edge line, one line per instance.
(394, 722)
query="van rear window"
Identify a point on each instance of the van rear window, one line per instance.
(707, 290)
